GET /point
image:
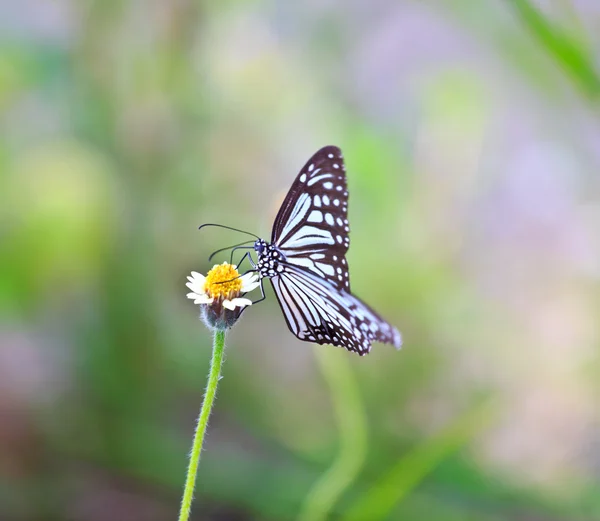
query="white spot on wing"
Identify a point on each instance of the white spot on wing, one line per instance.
(316, 216)
(308, 236)
(318, 178)
(326, 268)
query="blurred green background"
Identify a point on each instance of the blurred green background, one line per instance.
(472, 141)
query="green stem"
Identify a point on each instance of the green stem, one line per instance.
(209, 397)
(352, 425)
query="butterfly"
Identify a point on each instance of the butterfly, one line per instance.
(306, 261)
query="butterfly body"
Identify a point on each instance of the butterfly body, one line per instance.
(270, 259)
(306, 261)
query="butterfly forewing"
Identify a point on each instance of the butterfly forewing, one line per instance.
(311, 228)
(316, 311)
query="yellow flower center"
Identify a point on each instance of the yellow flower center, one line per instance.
(223, 281)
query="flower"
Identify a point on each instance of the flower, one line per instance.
(219, 294)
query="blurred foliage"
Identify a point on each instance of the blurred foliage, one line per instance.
(471, 139)
(352, 426)
(569, 51)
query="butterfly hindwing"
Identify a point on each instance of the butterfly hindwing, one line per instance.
(315, 311)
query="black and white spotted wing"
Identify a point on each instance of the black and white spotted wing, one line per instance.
(306, 261)
(315, 311)
(311, 228)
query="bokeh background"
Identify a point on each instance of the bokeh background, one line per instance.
(471, 132)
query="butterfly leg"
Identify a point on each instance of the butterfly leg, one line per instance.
(246, 255)
(262, 292)
(251, 261)
(241, 260)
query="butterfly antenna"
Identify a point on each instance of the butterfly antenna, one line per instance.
(228, 248)
(228, 228)
(235, 278)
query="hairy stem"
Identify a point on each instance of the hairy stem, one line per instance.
(209, 397)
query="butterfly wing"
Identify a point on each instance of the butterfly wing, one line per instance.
(311, 228)
(317, 311)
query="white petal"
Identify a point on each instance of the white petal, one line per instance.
(195, 287)
(198, 276)
(250, 286)
(249, 276)
(203, 299)
(239, 302)
(248, 280)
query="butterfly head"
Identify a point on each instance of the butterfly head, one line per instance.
(260, 245)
